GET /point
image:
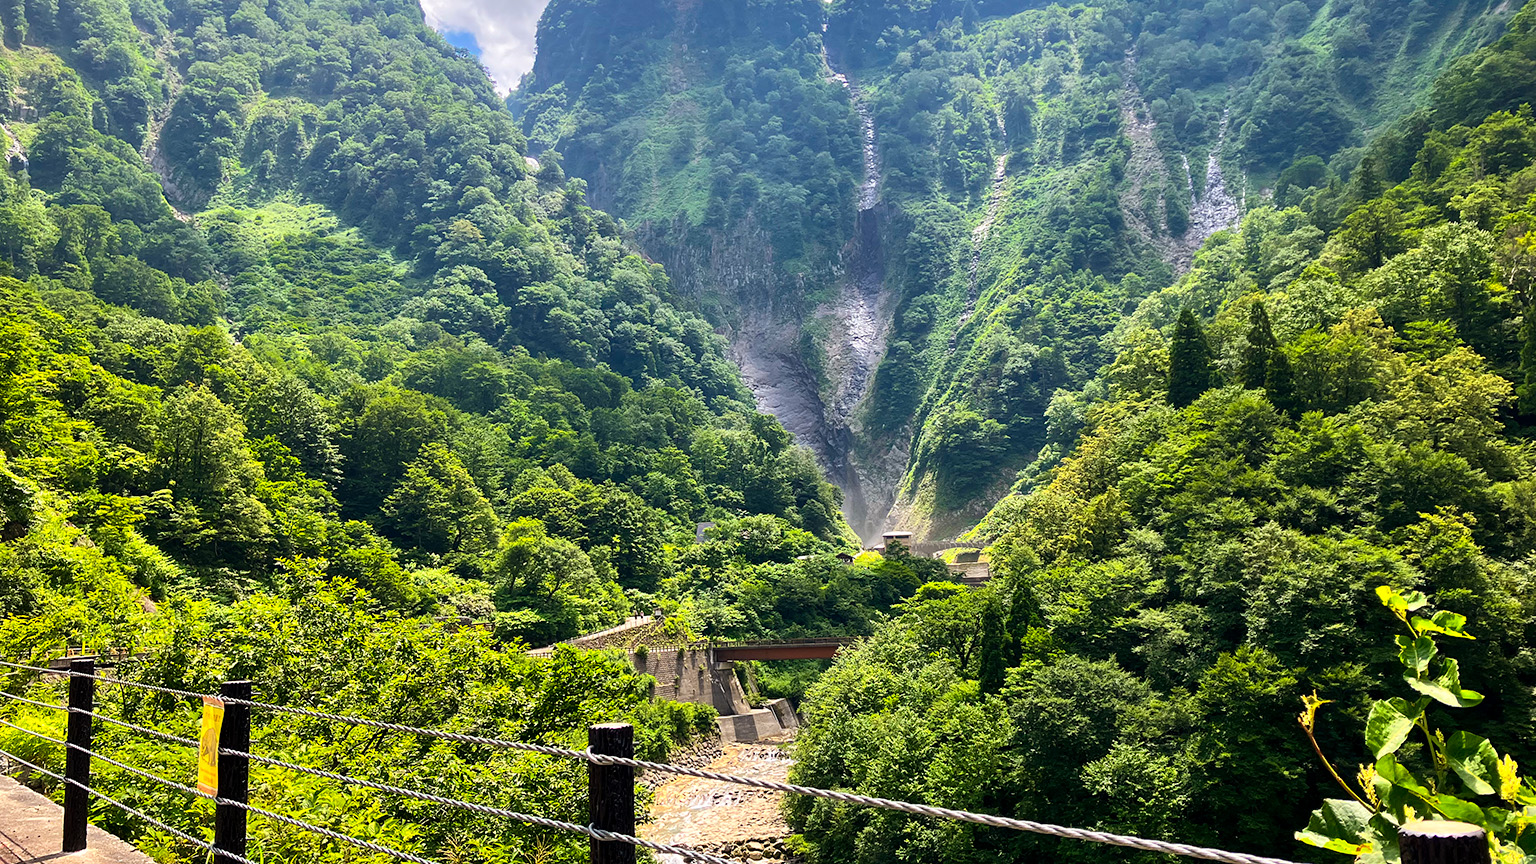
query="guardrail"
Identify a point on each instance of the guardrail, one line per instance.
(611, 785)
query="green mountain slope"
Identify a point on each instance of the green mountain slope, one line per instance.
(1335, 400)
(303, 363)
(1037, 169)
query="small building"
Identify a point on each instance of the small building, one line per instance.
(896, 538)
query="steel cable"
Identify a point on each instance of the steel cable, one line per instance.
(34, 668)
(32, 732)
(196, 841)
(189, 790)
(144, 730)
(13, 697)
(987, 819)
(1160, 846)
(482, 809)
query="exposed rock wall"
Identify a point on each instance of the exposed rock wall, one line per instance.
(1212, 209)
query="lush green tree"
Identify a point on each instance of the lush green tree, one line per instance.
(1527, 387)
(1190, 371)
(549, 589)
(438, 509)
(205, 466)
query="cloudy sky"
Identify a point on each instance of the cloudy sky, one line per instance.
(499, 31)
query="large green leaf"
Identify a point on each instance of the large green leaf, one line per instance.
(1444, 687)
(1417, 653)
(1388, 726)
(1383, 837)
(1339, 826)
(1474, 761)
(1410, 601)
(1399, 791)
(1447, 623)
(1458, 810)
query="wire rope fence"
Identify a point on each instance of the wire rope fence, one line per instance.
(609, 757)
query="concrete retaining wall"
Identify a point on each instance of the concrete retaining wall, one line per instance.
(687, 675)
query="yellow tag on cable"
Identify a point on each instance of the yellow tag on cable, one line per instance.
(208, 746)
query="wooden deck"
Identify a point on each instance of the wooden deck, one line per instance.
(32, 828)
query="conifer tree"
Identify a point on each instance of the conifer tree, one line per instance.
(1527, 387)
(1023, 613)
(993, 646)
(1189, 361)
(1261, 345)
(1280, 383)
(1265, 367)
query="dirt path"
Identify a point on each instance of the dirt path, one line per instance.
(709, 815)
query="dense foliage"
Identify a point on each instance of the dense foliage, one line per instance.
(1312, 416)
(1452, 777)
(745, 127)
(304, 360)
(384, 378)
(704, 124)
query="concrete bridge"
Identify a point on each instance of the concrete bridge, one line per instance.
(926, 549)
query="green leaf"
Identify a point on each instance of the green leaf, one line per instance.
(1383, 837)
(1387, 727)
(1417, 653)
(1448, 623)
(1400, 602)
(1388, 768)
(1497, 819)
(1338, 826)
(1474, 761)
(1445, 687)
(1458, 810)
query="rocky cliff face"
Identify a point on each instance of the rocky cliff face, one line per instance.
(916, 242)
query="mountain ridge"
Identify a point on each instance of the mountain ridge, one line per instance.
(941, 488)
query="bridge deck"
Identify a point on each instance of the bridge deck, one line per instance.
(786, 649)
(32, 830)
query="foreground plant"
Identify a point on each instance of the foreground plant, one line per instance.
(1458, 776)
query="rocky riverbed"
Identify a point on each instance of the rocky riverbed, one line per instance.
(734, 821)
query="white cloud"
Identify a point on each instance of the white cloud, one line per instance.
(503, 28)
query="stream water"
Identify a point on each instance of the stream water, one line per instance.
(857, 349)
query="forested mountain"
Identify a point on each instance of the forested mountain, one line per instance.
(1232, 300)
(1037, 170)
(1334, 405)
(1211, 322)
(301, 356)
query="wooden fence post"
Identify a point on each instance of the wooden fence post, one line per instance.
(1438, 842)
(77, 757)
(234, 771)
(611, 791)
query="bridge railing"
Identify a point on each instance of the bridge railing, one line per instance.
(611, 784)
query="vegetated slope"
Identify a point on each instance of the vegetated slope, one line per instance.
(368, 373)
(1337, 397)
(718, 132)
(1042, 168)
